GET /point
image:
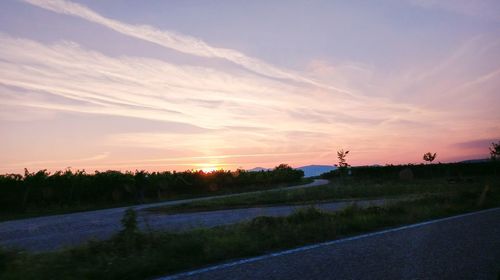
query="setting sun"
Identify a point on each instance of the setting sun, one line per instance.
(209, 169)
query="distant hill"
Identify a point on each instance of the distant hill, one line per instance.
(309, 170)
(315, 170)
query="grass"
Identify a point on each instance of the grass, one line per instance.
(139, 255)
(347, 189)
(66, 209)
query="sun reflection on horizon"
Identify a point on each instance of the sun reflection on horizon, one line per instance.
(209, 169)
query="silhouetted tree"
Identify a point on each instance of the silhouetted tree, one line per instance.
(341, 155)
(285, 173)
(495, 150)
(429, 157)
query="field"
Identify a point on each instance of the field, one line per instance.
(336, 190)
(134, 254)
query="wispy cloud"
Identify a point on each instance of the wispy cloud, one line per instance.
(128, 86)
(48, 76)
(178, 42)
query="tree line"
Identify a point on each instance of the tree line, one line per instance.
(423, 171)
(68, 188)
(451, 170)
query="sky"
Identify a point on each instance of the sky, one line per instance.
(183, 84)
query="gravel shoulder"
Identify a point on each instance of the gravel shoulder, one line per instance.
(58, 231)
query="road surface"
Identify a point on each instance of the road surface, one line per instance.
(57, 231)
(460, 247)
(68, 232)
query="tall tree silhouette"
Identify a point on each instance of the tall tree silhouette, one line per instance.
(341, 155)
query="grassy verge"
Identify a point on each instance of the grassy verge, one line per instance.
(66, 209)
(138, 255)
(337, 190)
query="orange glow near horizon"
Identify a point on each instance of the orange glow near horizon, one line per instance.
(209, 169)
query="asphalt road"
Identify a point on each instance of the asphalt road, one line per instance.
(54, 232)
(460, 247)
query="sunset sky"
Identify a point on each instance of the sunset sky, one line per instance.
(181, 84)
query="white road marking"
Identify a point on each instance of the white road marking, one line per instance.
(314, 246)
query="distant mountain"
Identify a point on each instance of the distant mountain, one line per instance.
(309, 170)
(315, 170)
(257, 169)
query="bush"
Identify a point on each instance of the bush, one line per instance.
(129, 222)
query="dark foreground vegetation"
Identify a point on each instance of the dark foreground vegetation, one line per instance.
(363, 183)
(66, 191)
(133, 254)
(452, 171)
